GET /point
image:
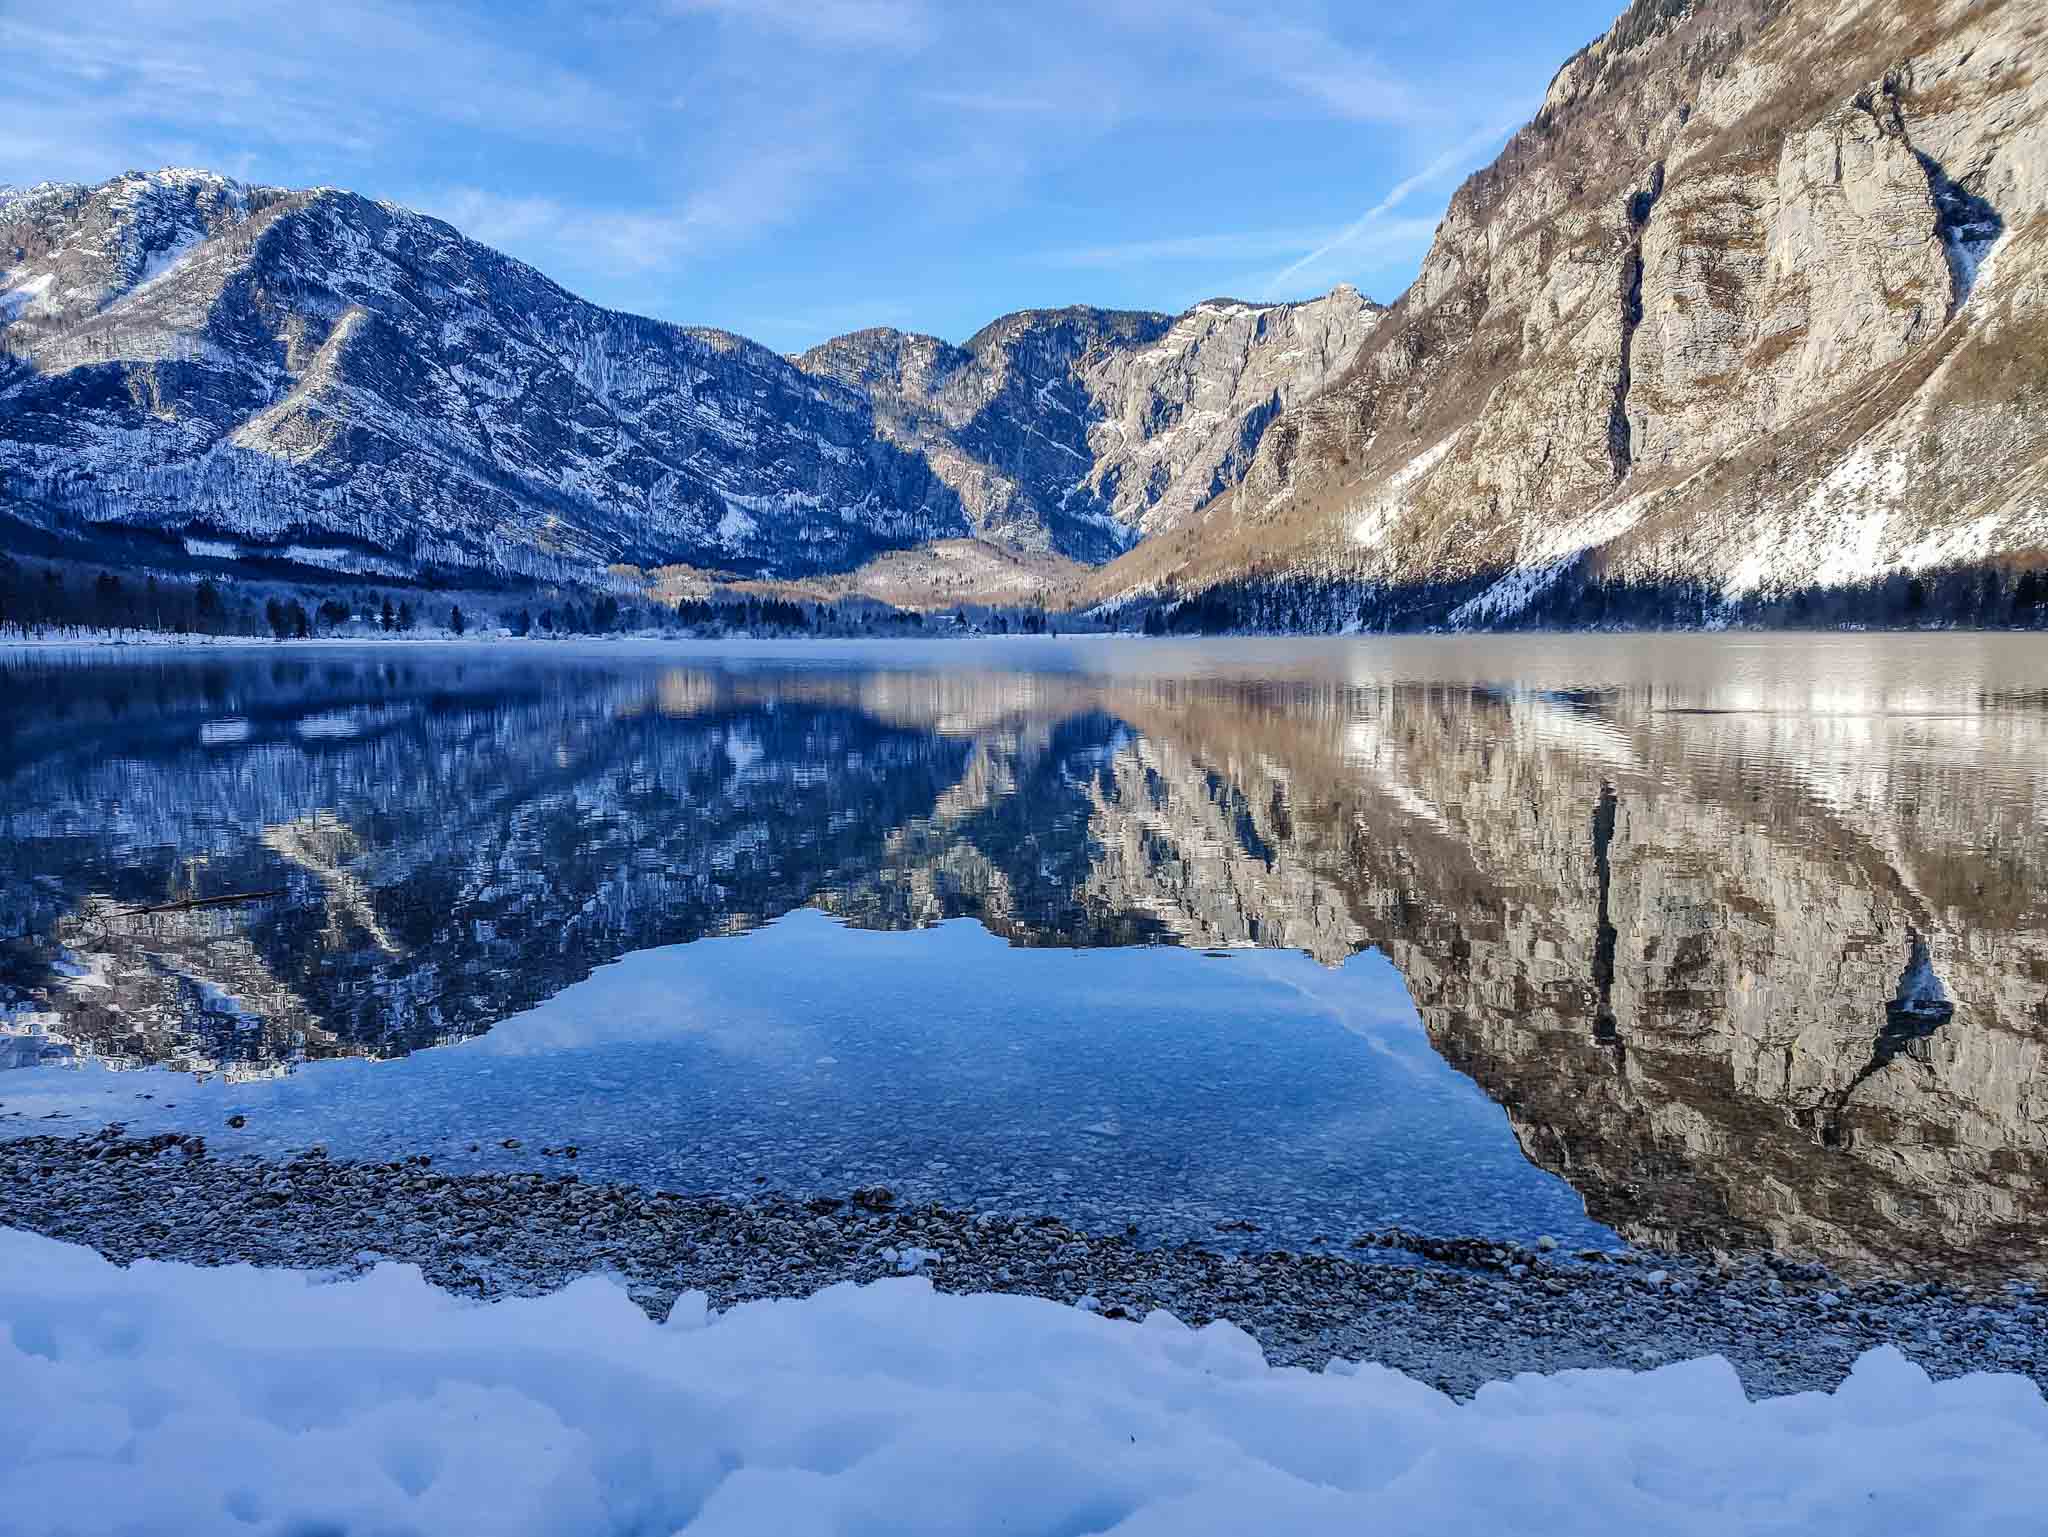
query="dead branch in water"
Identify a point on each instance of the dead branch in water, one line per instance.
(192, 904)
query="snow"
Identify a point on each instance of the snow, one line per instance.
(735, 526)
(167, 1398)
(1969, 249)
(160, 264)
(1547, 553)
(1378, 512)
(15, 301)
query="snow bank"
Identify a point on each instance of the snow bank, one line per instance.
(171, 1399)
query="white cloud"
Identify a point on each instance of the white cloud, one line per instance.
(329, 80)
(615, 149)
(1325, 73)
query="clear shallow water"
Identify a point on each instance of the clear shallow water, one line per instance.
(1152, 1086)
(1732, 941)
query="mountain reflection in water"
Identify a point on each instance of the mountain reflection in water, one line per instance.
(1749, 936)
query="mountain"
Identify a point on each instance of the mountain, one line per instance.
(1746, 324)
(1079, 430)
(192, 369)
(1748, 321)
(313, 375)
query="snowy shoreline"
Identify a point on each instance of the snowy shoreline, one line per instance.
(1451, 1313)
(170, 1398)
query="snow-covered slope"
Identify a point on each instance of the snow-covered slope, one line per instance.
(172, 1398)
(191, 366)
(1748, 320)
(190, 358)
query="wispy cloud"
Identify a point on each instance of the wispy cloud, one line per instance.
(1277, 58)
(339, 79)
(1321, 70)
(617, 242)
(1458, 158)
(727, 157)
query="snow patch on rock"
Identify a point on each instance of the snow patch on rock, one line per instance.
(15, 302)
(1548, 555)
(1377, 513)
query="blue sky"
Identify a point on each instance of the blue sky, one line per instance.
(792, 169)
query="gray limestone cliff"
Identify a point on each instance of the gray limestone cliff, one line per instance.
(1753, 311)
(1080, 431)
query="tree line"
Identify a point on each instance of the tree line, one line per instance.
(42, 600)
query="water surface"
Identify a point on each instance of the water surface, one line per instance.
(1713, 941)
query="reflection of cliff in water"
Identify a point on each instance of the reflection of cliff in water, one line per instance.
(1730, 998)
(1741, 976)
(447, 858)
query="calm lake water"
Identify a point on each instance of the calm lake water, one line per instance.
(1717, 941)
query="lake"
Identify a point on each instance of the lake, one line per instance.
(1727, 942)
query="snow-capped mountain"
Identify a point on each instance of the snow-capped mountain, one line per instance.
(1748, 321)
(255, 371)
(193, 364)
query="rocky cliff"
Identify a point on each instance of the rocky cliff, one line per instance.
(1083, 430)
(1749, 318)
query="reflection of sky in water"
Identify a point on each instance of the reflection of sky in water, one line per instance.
(1150, 1084)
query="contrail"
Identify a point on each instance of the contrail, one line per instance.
(1449, 160)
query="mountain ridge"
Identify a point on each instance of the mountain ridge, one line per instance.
(219, 371)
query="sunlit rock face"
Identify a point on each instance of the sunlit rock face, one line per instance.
(1081, 430)
(1750, 965)
(1742, 319)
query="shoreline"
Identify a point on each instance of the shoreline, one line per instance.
(165, 640)
(1454, 1313)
